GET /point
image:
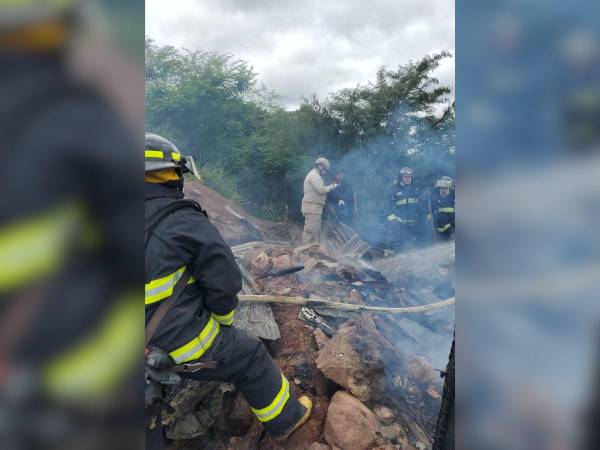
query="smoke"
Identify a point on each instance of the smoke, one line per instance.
(406, 139)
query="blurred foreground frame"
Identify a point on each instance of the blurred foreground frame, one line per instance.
(71, 115)
(528, 265)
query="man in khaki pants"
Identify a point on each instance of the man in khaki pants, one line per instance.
(315, 194)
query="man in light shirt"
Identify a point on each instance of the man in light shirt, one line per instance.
(315, 195)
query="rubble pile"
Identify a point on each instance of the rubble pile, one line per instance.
(371, 386)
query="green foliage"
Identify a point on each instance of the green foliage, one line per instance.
(254, 152)
(218, 179)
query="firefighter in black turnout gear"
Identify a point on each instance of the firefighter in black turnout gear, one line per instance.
(403, 220)
(442, 209)
(190, 266)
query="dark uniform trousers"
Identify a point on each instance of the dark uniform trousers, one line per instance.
(403, 222)
(244, 361)
(443, 216)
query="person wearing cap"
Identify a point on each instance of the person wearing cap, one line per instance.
(315, 197)
(442, 209)
(189, 265)
(402, 221)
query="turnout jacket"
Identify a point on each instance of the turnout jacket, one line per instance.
(405, 203)
(443, 211)
(187, 239)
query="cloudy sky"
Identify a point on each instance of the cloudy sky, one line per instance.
(301, 47)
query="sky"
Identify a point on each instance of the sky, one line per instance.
(304, 47)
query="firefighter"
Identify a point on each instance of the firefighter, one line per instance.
(403, 220)
(69, 329)
(313, 202)
(442, 209)
(199, 326)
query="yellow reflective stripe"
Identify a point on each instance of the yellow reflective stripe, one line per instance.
(446, 210)
(226, 319)
(153, 154)
(197, 346)
(175, 156)
(35, 247)
(95, 366)
(274, 409)
(444, 228)
(162, 288)
(404, 201)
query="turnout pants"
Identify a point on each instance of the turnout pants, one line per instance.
(243, 360)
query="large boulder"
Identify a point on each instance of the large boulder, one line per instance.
(349, 424)
(352, 359)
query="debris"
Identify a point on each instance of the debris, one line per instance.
(432, 392)
(349, 424)
(262, 263)
(385, 414)
(310, 317)
(272, 273)
(321, 338)
(318, 446)
(420, 369)
(355, 297)
(281, 262)
(352, 360)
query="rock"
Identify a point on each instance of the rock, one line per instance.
(432, 392)
(352, 360)
(321, 338)
(349, 424)
(284, 291)
(420, 369)
(355, 297)
(384, 414)
(261, 263)
(318, 446)
(281, 262)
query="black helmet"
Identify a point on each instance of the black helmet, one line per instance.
(160, 153)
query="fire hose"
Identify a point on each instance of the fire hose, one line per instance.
(322, 303)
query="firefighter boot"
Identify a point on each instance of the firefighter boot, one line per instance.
(308, 405)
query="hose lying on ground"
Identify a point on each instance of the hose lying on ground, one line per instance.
(322, 303)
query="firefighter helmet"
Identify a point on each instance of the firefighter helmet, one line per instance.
(323, 162)
(38, 24)
(160, 153)
(406, 172)
(444, 182)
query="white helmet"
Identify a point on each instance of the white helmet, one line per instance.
(406, 172)
(444, 182)
(324, 162)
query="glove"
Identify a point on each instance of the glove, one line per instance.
(393, 218)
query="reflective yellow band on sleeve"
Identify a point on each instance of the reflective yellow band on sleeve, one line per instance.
(175, 156)
(413, 200)
(153, 154)
(34, 247)
(274, 409)
(197, 346)
(401, 202)
(444, 228)
(226, 319)
(446, 210)
(102, 361)
(161, 288)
